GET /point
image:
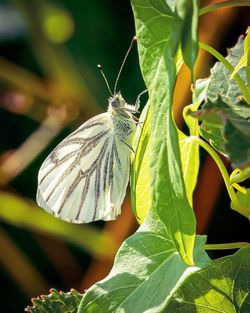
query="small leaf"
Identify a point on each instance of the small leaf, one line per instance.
(244, 203)
(238, 175)
(227, 128)
(141, 194)
(190, 152)
(56, 302)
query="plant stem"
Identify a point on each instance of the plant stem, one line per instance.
(230, 68)
(222, 169)
(226, 246)
(223, 4)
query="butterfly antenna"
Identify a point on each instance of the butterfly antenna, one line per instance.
(123, 62)
(105, 79)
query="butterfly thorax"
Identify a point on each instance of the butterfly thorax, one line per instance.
(122, 117)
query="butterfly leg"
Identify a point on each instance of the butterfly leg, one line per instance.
(137, 102)
(128, 145)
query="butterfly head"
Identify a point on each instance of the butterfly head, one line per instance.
(117, 102)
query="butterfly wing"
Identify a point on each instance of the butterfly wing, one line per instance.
(84, 179)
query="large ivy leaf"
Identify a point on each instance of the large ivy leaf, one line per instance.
(56, 302)
(146, 273)
(222, 287)
(157, 45)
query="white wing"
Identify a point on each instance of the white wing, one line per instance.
(84, 179)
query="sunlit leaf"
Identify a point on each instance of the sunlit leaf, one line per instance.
(244, 201)
(222, 287)
(141, 194)
(157, 51)
(146, 273)
(190, 152)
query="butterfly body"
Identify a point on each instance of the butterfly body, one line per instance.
(85, 177)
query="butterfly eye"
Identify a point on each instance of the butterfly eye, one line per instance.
(115, 103)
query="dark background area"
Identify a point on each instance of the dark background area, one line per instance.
(66, 68)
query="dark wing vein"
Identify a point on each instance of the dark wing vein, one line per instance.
(86, 175)
(79, 152)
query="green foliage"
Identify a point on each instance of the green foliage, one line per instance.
(146, 273)
(225, 117)
(157, 46)
(56, 302)
(190, 151)
(188, 13)
(243, 198)
(219, 81)
(141, 198)
(227, 129)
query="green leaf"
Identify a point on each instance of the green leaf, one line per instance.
(222, 287)
(227, 128)
(56, 302)
(238, 175)
(25, 213)
(244, 203)
(219, 83)
(157, 45)
(190, 152)
(146, 273)
(245, 59)
(188, 12)
(242, 63)
(141, 195)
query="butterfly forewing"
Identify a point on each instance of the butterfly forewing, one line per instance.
(85, 177)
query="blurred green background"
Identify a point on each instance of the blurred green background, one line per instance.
(49, 85)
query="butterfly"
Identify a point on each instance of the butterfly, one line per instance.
(84, 179)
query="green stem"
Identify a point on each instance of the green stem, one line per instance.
(222, 169)
(239, 175)
(226, 246)
(224, 4)
(230, 68)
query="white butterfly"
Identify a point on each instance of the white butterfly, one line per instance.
(84, 179)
